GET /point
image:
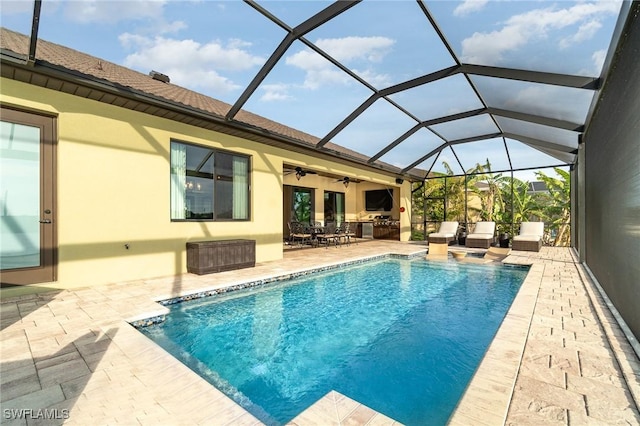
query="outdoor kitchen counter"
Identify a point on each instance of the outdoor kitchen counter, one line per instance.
(382, 230)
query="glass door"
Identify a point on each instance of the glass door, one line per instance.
(27, 221)
(334, 207)
(302, 208)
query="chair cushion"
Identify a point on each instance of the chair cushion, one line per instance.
(532, 228)
(484, 228)
(527, 237)
(442, 235)
(475, 236)
(448, 228)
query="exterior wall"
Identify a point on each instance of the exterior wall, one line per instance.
(113, 189)
(612, 180)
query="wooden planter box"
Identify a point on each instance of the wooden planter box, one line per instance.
(206, 257)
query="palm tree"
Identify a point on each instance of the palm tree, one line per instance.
(556, 205)
(525, 205)
(454, 190)
(492, 198)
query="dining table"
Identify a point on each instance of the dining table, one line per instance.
(315, 230)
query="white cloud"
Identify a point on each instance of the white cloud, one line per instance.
(469, 6)
(170, 27)
(307, 60)
(189, 63)
(529, 95)
(375, 79)
(488, 48)
(150, 14)
(100, 11)
(521, 29)
(275, 92)
(236, 43)
(361, 50)
(598, 58)
(200, 78)
(586, 31)
(316, 78)
(346, 49)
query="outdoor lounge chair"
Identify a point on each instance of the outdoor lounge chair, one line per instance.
(493, 254)
(482, 236)
(446, 234)
(530, 238)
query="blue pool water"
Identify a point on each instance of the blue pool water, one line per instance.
(401, 336)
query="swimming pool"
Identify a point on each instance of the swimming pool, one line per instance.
(402, 336)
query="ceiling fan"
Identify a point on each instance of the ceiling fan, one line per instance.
(345, 180)
(300, 172)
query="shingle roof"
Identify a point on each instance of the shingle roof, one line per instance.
(99, 69)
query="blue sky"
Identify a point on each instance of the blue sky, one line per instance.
(217, 47)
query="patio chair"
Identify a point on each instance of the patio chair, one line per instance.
(530, 238)
(482, 235)
(329, 235)
(493, 254)
(345, 232)
(446, 233)
(298, 232)
(351, 231)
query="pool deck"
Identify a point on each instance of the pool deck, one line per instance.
(558, 358)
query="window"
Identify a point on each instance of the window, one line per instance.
(207, 184)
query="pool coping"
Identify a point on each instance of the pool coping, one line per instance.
(142, 321)
(476, 389)
(149, 318)
(488, 394)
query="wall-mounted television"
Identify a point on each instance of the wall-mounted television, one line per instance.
(378, 200)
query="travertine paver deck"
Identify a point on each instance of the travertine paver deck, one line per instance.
(558, 358)
(574, 365)
(578, 368)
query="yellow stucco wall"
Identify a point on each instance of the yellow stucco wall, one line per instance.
(113, 189)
